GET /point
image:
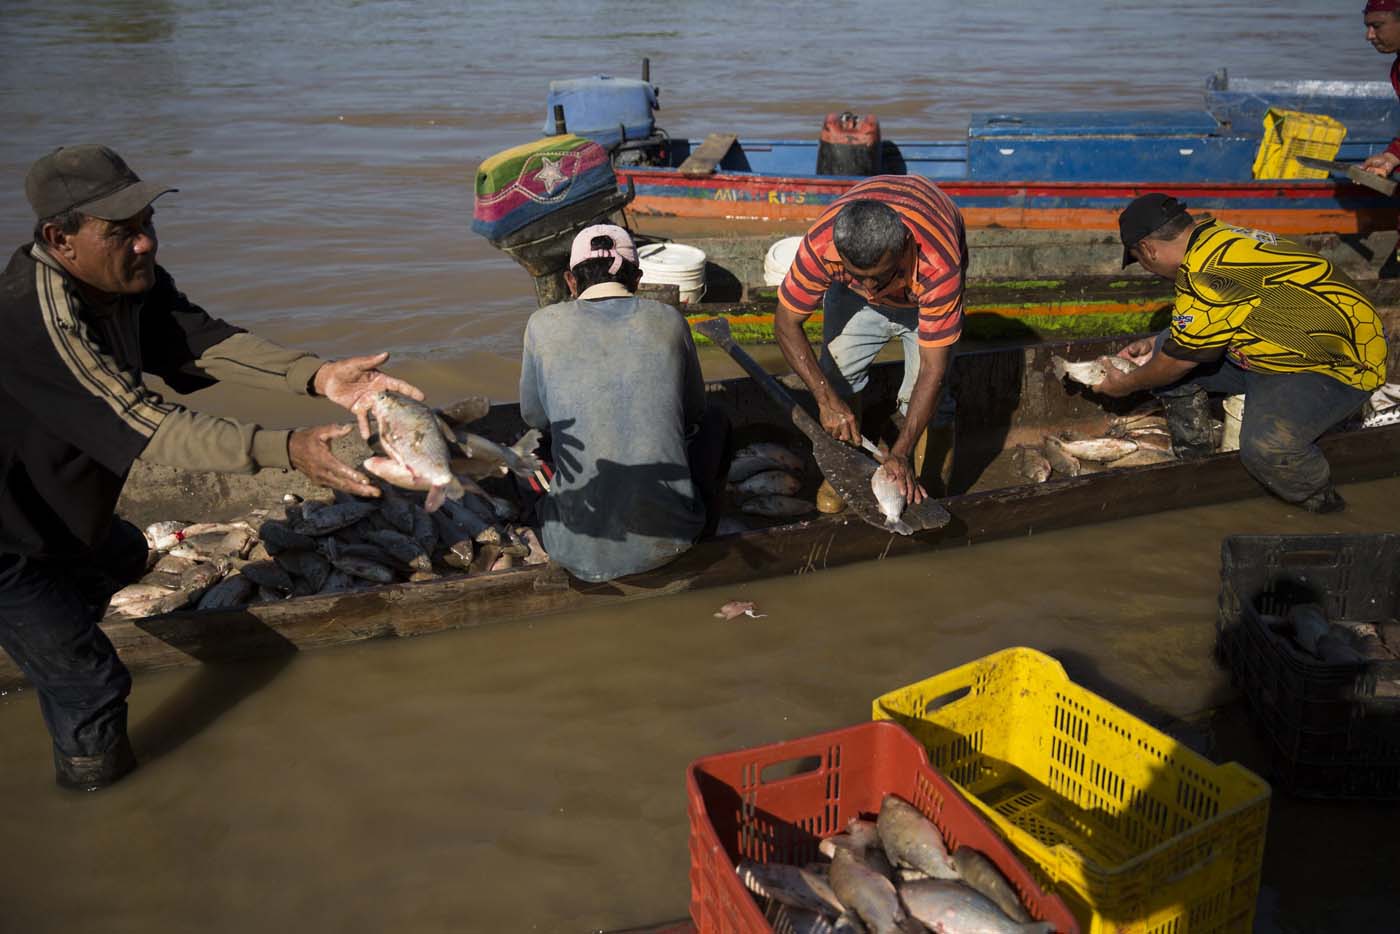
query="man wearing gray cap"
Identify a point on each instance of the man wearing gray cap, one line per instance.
(86, 311)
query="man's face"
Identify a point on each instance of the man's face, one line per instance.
(1158, 257)
(874, 278)
(115, 257)
(1383, 32)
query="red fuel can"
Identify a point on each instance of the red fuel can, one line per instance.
(850, 145)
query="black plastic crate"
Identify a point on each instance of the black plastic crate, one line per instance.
(1333, 735)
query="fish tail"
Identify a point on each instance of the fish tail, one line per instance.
(436, 496)
(899, 526)
(524, 450)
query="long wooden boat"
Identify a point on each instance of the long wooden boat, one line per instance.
(1061, 171)
(1006, 397)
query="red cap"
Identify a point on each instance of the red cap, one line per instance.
(1381, 6)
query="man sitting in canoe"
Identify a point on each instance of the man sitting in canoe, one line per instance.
(1382, 19)
(1256, 315)
(86, 311)
(638, 458)
(886, 261)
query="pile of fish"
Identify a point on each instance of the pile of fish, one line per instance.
(764, 480)
(1132, 441)
(890, 876)
(301, 548)
(1346, 642)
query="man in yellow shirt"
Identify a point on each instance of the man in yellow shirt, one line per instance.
(1256, 315)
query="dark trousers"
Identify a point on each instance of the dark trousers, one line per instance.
(49, 614)
(710, 450)
(1284, 415)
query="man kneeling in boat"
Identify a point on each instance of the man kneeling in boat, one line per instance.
(1255, 315)
(638, 458)
(886, 261)
(86, 312)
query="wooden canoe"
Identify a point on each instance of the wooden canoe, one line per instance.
(1006, 397)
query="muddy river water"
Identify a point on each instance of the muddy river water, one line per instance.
(530, 777)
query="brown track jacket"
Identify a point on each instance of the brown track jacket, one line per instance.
(74, 413)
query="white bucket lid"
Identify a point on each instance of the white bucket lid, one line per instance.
(779, 259)
(671, 257)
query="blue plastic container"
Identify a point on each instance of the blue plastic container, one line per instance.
(602, 108)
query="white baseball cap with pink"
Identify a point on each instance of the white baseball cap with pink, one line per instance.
(622, 247)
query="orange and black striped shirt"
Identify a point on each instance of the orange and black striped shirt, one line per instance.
(934, 280)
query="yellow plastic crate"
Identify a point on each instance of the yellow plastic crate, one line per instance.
(1134, 830)
(1289, 133)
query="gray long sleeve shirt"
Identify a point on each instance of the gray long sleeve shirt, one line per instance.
(616, 381)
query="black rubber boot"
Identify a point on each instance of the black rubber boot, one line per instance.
(90, 773)
(1189, 423)
(1324, 501)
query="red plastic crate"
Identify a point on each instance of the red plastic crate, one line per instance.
(775, 804)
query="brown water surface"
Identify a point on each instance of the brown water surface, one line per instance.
(530, 777)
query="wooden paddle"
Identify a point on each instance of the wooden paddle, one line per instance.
(1352, 171)
(845, 468)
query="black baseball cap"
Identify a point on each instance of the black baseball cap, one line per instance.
(1144, 215)
(89, 178)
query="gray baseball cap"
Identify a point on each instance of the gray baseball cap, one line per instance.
(89, 178)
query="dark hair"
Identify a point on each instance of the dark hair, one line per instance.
(866, 231)
(1172, 228)
(69, 221)
(594, 271)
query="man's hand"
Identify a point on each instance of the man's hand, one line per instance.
(897, 469)
(1382, 164)
(1115, 382)
(1139, 351)
(352, 383)
(839, 421)
(309, 450)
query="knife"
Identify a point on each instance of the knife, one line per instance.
(1352, 171)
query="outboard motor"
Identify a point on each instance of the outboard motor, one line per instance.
(850, 145)
(531, 201)
(616, 113)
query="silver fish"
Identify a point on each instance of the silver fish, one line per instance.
(164, 535)
(741, 468)
(911, 839)
(982, 874)
(173, 564)
(486, 458)
(784, 457)
(891, 500)
(1125, 424)
(465, 411)
(416, 453)
(1031, 464)
(137, 593)
(1060, 459)
(233, 591)
(769, 483)
(1320, 638)
(229, 543)
(1089, 372)
(777, 507)
(1101, 450)
(1159, 439)
(790, 885)
(1143, 457)
(944, 905)
(867, 893)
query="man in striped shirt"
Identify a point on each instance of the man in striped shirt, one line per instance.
(887, 260)
(86, 312)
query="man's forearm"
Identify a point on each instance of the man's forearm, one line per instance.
(933, 367)
(1160, 370)
(797, 351)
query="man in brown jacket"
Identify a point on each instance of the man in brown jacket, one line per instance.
(85, 312)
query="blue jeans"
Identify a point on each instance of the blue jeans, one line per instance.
(854, 333)
(1284, 415)
(49, 613)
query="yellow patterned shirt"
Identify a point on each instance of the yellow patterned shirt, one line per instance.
(1272, 305)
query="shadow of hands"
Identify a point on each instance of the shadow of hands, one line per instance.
(564, 449)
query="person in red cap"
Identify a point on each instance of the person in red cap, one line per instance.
(1382, 18)
(1258, 316)
(87, 311)
(638, 457)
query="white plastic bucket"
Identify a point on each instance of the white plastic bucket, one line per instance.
(674, 264)
(1234, 414)
(779, 259)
